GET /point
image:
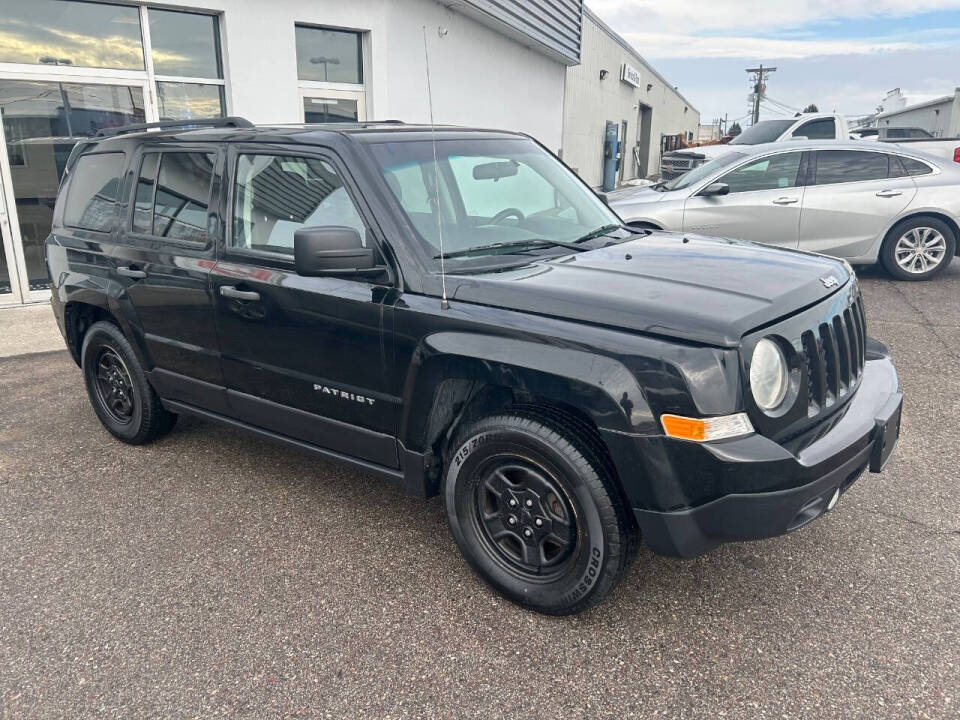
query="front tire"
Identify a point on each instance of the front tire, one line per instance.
(118, 388)
(535, 512)
(918, 248)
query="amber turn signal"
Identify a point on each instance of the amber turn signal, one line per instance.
(705, 429)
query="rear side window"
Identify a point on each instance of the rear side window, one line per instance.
(916, 167)
(843, 166)
(824, 129)
(173, 195)
(92, 198)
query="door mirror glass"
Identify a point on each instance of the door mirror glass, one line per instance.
(332, 250)
(715, 189)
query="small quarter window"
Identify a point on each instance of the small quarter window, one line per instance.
(916, 167)
(276, 195)
(92, 197)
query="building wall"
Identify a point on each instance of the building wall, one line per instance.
(590, 102)
(941, 119)
(479, 75)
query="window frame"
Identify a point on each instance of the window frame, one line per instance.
(213, 197)
(228, 252)
(155, 79)
(799, 181)
(360, 53)
(117, 217)
(830, 119)
(812, 174)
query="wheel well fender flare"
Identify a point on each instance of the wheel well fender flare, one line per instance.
(87, 300)
(599, 386)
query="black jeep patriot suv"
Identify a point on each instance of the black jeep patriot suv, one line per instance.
(453, 310)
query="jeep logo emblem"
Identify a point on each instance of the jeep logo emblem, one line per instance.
(829, 281)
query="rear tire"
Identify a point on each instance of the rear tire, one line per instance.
(918, 248)
(535, 512)
(118, 388)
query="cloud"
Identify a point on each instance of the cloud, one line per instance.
(662, 45)
(695, 16)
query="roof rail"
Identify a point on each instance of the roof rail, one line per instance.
(220, 122)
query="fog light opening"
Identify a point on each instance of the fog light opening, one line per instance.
(833, 499)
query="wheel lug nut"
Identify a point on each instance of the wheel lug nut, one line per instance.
(529, 502)
(512, 502)
(511, 520)
(538, 522)
(527, 532)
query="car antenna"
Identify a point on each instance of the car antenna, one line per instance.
(444, 304)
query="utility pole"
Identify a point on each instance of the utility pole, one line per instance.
(759, 77)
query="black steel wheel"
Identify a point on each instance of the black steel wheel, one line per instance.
(535, 511)
(114, 386)
(525, 517)
(118, 388)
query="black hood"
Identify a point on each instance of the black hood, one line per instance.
(690, 287)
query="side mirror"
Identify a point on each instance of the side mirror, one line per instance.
(332, 250)
(715, 189)
(603, 197)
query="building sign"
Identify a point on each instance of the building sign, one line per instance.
(630, 75)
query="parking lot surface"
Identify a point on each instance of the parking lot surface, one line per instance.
(216, 575)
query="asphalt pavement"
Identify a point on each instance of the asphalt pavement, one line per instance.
(212, 574)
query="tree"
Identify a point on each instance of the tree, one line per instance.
(811, 108)
(734, 130)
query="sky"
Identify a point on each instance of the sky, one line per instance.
(842, 55)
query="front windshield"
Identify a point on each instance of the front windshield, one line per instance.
(702, 171)
(491, 191)
(763, 132)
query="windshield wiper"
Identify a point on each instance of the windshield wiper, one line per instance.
(528, 243)
(598, 232)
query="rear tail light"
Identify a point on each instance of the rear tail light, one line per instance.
(956, 155)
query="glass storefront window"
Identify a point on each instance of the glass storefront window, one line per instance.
(42, 121)
(69, 33)
(185, 101)
(185, 44)
(329, 55)
(329, 110)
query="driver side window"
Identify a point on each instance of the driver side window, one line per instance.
(774, 172)
(484, 197)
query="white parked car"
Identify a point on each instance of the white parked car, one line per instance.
(853, 200)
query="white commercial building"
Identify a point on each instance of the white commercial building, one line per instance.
(70, 68)
(614, 83)
(939, 117)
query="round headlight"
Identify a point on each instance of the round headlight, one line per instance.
(768, 375)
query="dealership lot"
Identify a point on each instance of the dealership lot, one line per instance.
(212, 574)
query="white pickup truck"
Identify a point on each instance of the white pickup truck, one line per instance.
(810, 126)
(911, 137)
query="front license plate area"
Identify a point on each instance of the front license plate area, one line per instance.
(888, 433)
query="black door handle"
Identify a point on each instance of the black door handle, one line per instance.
(131, 272)
(231, 292)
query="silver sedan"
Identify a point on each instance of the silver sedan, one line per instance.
(861, 203)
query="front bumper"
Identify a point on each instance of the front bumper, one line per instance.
(805, 482)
